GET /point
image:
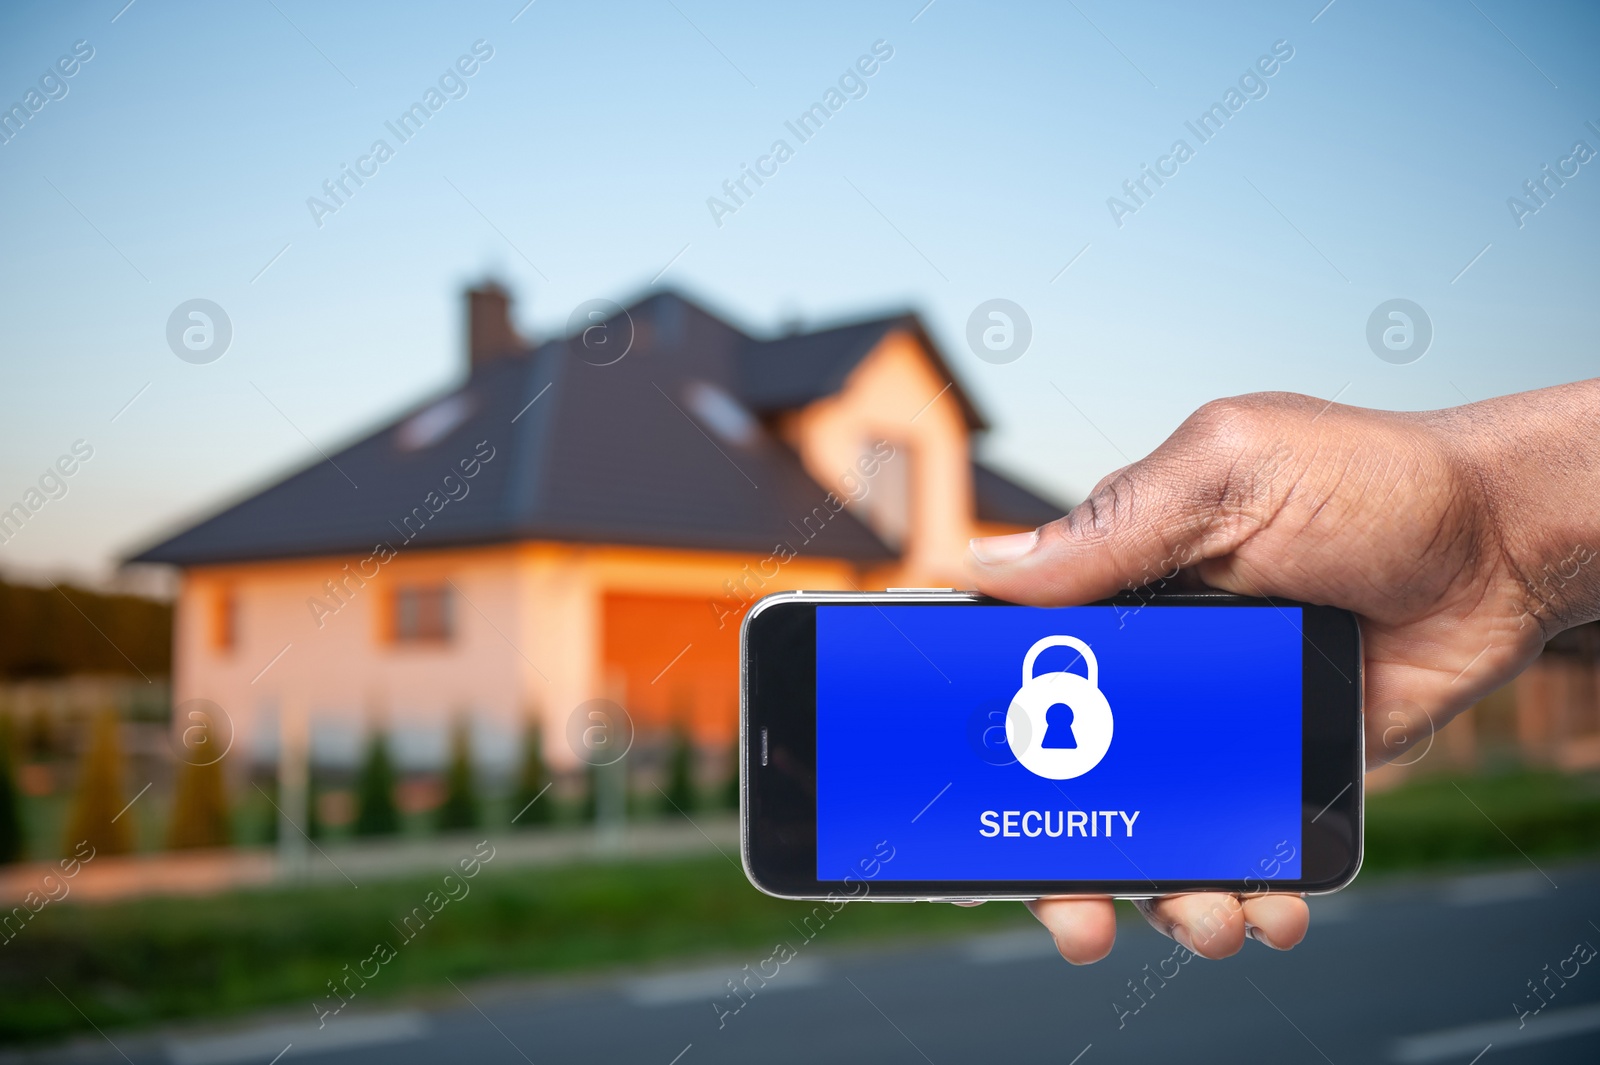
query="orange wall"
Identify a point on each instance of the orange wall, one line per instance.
(674, 663)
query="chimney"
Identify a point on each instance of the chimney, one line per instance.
(490, 334)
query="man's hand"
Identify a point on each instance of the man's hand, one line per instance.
(1462, 538)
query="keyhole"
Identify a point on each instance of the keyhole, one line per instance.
(1058, 727)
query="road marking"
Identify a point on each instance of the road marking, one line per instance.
(1518, 886)
(259, 1044)
(682, 986)
(1459, 1042)
(1002, 948)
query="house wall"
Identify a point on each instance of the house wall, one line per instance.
(891, 396)
(339, 664)
(539, 629)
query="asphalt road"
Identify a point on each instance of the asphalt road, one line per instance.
(1423, 971)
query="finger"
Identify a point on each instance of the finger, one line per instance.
(1209, 924)
(1084, 928)
(1277, 921)
(1194, 498)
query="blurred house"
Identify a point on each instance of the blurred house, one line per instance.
(583, 518)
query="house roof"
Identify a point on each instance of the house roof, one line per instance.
(661, 448)
(1005, 502)
(791, 371)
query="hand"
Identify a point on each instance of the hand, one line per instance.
(1462, 538)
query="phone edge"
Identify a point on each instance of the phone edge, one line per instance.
(942, 594)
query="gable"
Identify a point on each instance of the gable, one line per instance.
(787, 373)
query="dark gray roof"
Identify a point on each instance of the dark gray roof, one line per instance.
(789, 372)
(654, 449)
(1005, 502)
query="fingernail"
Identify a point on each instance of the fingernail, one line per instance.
(992, 550)
(1256, 934)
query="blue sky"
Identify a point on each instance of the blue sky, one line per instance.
(580, 159)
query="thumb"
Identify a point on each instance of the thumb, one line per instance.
(1142, 524)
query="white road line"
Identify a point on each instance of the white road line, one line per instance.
(1470, 1039)
(259, 1044)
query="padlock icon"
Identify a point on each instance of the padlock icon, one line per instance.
(1059, 724)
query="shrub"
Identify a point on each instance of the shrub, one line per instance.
(376, 812)
(97, 808)
(200, 807)
(680, 772)
(532, 781)
(460, 808)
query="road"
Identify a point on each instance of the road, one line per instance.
(1417, 971)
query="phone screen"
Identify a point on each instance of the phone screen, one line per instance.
(973, 741)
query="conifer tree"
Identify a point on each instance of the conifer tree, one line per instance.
(680, 772)
(589, 793)
(97, 810)
(460, 809)
(532, 781)
(266, 828)
(376, 812)
(200, 806)
(314, 827)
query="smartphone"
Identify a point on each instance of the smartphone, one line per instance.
(944, 746)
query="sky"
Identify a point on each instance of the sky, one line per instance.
(978, 161)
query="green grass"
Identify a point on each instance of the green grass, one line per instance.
(143, 961)
(1447, 821)
(133, 963)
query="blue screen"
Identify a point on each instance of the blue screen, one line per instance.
(1182, 762)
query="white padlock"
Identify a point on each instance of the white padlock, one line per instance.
(1028, 721)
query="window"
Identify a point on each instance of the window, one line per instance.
(884, 501)
(422, 613)
(224, 619)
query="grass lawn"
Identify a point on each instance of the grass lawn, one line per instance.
(1442, 821)
(142, 961)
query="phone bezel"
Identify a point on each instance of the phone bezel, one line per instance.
(777, 812)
